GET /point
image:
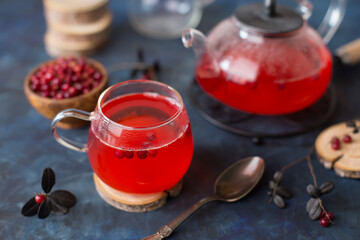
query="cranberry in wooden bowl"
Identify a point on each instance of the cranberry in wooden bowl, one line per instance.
(63, 83)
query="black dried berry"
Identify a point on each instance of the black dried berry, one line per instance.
(313, 191)
(326, 187)
(284, 192)
(312, 202)
(278, 176)
(351, 124)
(271, 185)
(279, 201)
(314, 210)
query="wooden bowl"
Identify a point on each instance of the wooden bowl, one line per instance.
(49, 107)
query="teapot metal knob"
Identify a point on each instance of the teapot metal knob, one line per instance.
(270, 8)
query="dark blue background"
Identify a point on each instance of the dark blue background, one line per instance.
(27, 146)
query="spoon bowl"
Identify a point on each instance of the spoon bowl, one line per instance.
(231, 185)
(239, 179)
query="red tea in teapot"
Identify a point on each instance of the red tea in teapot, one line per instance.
(142, 161)
(265, 91)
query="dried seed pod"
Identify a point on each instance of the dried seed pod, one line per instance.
(278, 176)
(351, 124)
(312, 202)
(326, 187)
(271, 185)
(284, 192)
(314, 209)
(279, 201)
(313, 191)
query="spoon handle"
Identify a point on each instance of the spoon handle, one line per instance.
(166, 230)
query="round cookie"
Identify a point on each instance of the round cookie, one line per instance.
(346, 159)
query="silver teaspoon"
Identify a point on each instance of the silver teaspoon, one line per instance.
(232, 184)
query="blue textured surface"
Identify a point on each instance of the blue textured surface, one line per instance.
(27, 147)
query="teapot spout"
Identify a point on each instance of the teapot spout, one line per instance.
(203, 53)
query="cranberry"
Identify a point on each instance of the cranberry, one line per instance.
(35, 86)
(78, 68)
(128, 154)
(39, 198)
(347, 138)
(97, 76)
(335, 140)
(45, 88)
(65, 87)
(85, 90)
(72, 91)
(45, 94)
(59, 95)
(281, 86)
(66, 94)
(335, 143)
(49, 76)
(329, 215)
(251, 85)
(34, 79)
(141, 154)
(152, 152)
(146, 144)
(119, 153)
(324, 222)
(150, 137)
(335, 146)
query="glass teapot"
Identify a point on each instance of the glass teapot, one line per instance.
(265, 58)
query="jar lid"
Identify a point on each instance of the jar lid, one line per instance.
(268, 18)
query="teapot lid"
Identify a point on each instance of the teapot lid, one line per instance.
(268, 18)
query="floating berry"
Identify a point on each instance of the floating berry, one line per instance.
(119, 153)
(39, 198)
(152, 153)
(146, 144)
(324, 222)
(128, 154)
(150, 137)
(141, 154)
(347, 138)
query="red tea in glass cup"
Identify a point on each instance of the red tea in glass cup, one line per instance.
(140, 138)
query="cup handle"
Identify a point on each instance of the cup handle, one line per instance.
(332, 19)
(81, 147)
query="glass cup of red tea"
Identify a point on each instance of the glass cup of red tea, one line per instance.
(140, 139)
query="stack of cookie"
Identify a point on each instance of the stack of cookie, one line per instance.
(77, 28)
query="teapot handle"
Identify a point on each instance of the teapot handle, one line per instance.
(81, 147)
(332, 19)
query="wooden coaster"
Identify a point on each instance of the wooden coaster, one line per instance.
(134, 202)
(346, 160)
